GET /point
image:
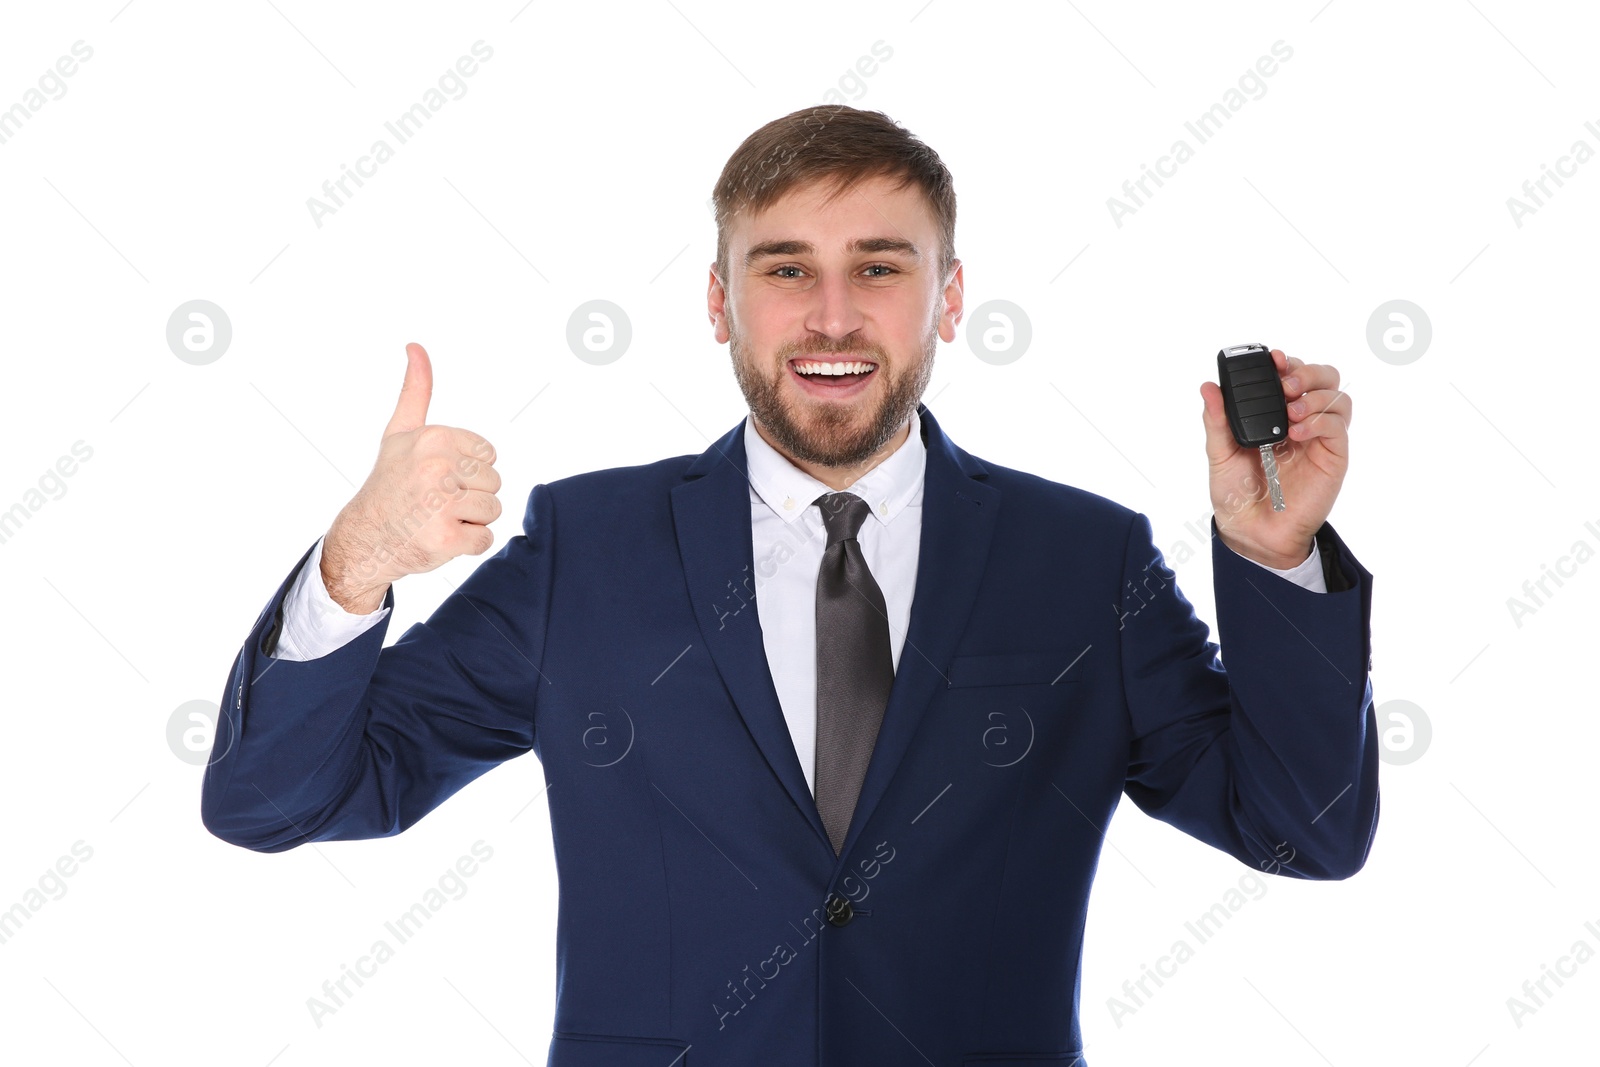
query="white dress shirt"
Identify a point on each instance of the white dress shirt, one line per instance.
(788, 538)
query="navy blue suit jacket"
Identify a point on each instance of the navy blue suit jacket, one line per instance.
(1051, 664)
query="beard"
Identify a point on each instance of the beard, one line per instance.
(833, 435)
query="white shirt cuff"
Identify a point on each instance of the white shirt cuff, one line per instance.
(313, 624)
(1307, 574)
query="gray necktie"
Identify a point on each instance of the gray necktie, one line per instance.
(855, 666)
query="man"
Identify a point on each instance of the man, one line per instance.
(834, 713)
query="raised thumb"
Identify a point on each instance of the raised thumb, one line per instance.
(411, 411)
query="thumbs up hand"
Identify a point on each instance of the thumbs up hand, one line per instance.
(430, 498)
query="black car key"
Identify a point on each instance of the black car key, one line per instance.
(1258, 414)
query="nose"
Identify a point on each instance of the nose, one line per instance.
(833, 311)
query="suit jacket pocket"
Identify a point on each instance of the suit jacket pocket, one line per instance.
(599, 1050)
(1014, 668)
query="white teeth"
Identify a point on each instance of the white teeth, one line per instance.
(808, 367)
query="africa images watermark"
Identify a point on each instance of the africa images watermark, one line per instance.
(1137, 992)
(336, 992)
(404, 127)
(399, 533)
(1566, 167)
(51, 82)
(52, 486)
(852, 83)
(1566, 567)
(1204, 127)
(740, 993)
(51, 885)
(1536, 992)
(809, 527)
(1157, 571)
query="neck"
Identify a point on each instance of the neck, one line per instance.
(840, 478)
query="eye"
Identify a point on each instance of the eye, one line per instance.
(790, 272)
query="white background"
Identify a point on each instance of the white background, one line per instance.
(1376, 166)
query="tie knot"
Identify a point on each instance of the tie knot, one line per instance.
(842, 514)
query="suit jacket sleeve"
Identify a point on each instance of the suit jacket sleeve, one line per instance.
(366, 740)
(1273, 758)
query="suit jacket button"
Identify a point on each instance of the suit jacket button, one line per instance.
(839, 910)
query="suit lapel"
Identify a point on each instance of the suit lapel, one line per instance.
(711, 514)
(958, 517)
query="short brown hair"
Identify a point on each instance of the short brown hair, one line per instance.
(842, 145)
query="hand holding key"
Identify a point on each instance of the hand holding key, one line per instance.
(1312, 459)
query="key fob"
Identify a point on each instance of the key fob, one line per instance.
(1252, 394)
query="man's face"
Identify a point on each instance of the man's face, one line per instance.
(856, 280)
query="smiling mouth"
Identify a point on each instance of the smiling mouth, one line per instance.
(832, 373)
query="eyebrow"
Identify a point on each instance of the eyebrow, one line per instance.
(861, 245)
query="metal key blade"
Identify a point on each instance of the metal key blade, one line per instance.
(1269, 464)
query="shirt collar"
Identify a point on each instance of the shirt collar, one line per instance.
(889, 488)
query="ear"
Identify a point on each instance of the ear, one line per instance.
(716, 307)
(953, 306)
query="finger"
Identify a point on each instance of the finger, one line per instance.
(1220, 445)
(470, 444)
(457, 445)
(476, 507)
(411, 410)
(1310, 405)
(473, 540)
(466, 472)
(474, 460)
(1309, 376)
(1328, 427)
